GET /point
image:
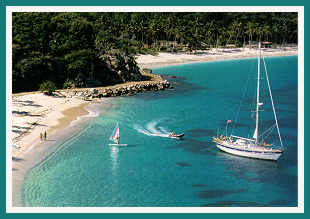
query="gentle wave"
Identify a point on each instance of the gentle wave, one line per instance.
(93, 111)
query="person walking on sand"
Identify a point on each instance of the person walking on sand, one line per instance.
(41, 136)
(44, 135)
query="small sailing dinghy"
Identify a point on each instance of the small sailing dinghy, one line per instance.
(254, 147)
(115, 137)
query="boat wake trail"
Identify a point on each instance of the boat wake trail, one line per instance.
(153, 129)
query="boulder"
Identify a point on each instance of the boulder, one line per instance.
(94, 91)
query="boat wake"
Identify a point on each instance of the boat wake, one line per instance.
(153, 129)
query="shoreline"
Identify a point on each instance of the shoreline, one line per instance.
(33, 112)
(168, 59)
(35, 150)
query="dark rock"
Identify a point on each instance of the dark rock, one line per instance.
(147, 70)
(94, 91)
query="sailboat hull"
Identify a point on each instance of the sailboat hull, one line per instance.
(251, 154)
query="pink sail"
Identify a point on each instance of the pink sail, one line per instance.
(115, 133)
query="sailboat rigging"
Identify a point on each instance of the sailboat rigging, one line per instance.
(254, 147)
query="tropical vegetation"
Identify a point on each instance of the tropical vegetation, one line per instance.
(74, 49)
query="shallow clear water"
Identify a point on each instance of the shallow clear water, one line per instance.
(158, 171)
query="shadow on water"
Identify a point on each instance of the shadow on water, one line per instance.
(180, 87)
(283, 91)
(218, 193)
(279, 110)
(199, 185)
(195, 146)
(201, 132)
(261, 171)
(232, 203)
(228, 203)
(183, 87)
(280, 203)
(183, 164)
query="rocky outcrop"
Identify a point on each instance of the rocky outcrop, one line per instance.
(147, 70)
(120, 90)
(118, 67)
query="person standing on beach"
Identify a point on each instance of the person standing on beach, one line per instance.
(44, 135)
(41, 136)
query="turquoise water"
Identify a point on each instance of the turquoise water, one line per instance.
(158, 171)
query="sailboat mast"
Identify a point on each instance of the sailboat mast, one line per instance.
(257, 99)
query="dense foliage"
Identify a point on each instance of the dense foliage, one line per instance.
(97, 48)
(48, 87)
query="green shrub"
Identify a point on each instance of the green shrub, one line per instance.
(69, 84)
(48, 87)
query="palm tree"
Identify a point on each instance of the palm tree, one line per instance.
(237, 26)
(250, 31)
(267, 32)
(260, 32)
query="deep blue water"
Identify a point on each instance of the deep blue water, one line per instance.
(157, 171)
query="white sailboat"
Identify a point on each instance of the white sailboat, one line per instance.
(115, 137)
(254, 147)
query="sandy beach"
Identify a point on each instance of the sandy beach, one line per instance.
(34, 113)
(165, 59)
(37, 113)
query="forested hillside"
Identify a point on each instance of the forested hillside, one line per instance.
(92, 49)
